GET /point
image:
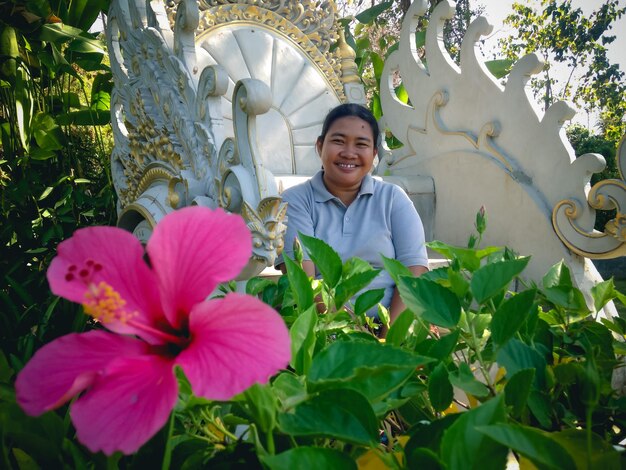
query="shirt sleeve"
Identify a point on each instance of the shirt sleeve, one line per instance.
(407, 231)
(299, 219)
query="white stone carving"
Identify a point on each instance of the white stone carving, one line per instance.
(212, 103)
(483, 144)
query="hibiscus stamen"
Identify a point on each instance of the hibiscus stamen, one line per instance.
(106, 305)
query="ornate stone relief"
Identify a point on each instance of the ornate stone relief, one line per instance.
(482, 142)
(604, 195)
(197, 118)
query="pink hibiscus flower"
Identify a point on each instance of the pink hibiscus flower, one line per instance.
(157, 317)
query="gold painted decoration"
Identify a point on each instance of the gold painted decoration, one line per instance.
(173, 144)
(482, 142)
(309, 25)
(605, 195)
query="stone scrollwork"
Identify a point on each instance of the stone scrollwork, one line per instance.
(244, 185)
(481, 142)
(171, 146)
(604, 195)
(309, 24)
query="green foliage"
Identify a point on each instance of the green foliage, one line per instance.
(469, 372)
(55, 90)
(560, 33)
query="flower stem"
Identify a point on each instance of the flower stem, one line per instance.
(271, 449)
(167, 455)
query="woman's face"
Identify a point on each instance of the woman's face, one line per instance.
(347, 153)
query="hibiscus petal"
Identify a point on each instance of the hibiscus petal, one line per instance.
(115, 257)
(191, 251)
(127, 405)
(235, 341)
(68, 365)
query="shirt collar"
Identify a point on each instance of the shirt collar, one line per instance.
(322, 194)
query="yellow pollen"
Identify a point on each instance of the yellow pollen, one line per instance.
(105, 304)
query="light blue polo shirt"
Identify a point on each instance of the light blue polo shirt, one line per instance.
(381, 220)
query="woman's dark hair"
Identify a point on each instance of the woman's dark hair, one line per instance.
(350, 110)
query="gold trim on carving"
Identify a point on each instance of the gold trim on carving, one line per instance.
(310, 28)
(604, 195)
(134, 207)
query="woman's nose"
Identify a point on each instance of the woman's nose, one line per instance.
(349, 151)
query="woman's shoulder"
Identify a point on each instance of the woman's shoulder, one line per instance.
(388, 189)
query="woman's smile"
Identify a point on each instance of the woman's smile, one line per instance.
(347, 153)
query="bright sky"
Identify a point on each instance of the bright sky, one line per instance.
(497, 10)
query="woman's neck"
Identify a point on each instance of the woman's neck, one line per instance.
(345, 195)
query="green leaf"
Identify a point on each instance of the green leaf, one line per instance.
(464, 379)
(290, 389)
(300, 285)
(399, 328)
(5, 370)
(431, 301)
(420, 38)
(402, 94)
(462, 447)
(47, 132)
(510, 316)
(302, 335)
(558, 275)
(45, 193)
(603, 455)
(458, 284)
(351, 286)
(499, 68)
(101, 89)
(515, 356)
(517, 390)
(372, 368)
(428, 435)
(324, 257)
(85, 117)
(395, 268)
(59, 33)
(23, 107)
(492, 278)
(367, 300)
(469, 258)
(440, 390)
(261, 404)
(540, 405)
(256, 285)
(423, 458)
(568, 298)
(602, 293)
(86, 46)
(538, 446)
(444, 346)
(355, 266)
(41, 438)
(369, 15)
(309, 457)
(338, 414)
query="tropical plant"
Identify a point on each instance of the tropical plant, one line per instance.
(54, 164)
(562, 34)
(482, 367)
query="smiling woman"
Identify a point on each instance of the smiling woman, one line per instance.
(357, 215)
